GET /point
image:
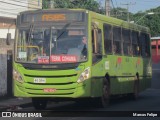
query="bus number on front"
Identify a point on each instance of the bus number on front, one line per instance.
(39, 80)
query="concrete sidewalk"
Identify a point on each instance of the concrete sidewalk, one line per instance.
(14, 103)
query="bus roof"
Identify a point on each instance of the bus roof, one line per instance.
(111, 20)
(48, 10)
(119, 22)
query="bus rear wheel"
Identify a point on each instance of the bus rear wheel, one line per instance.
(134, 95)
(136, 88)
(39, 103)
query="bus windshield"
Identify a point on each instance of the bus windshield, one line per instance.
(52, 44)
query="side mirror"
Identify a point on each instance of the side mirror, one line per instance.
(8, 41)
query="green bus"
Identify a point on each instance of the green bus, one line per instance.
(77, 54)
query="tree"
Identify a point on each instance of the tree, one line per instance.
(45, 4)
(85, 4)
(150, 21)
(121, 13)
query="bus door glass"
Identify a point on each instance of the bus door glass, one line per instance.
(96, 45)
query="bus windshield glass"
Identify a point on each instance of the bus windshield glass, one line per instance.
(52, 43)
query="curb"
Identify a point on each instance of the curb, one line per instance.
(26, 105)
(2, 98)
(15, 107)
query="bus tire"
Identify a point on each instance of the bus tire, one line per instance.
(105, 98)
(134, 95)
(39, 103)
(136, 88)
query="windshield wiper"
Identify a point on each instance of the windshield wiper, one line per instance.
(63, 30)
(30, 32)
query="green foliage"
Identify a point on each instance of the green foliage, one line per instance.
(119, 13)
(85, 4)
(151, 21)
(45, 4)
(62, 3)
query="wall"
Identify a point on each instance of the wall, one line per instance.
(3, 67)
(3, 33)
(7, 25)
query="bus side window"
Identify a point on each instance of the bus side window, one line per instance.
(143, 44)
(116, 40)
(126, 42)
(93, 42)
(135, 46)
(99, 41)
(147, 45)
(108, 38)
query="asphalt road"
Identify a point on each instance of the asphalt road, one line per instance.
(149, 101)
(155, 76)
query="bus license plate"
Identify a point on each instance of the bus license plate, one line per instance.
(39, 80)
(49, 90)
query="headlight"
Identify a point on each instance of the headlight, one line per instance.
(84, 75)
(17, 76)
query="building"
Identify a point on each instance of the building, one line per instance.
(155, 49)
(8, 13)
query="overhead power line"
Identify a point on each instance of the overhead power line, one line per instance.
(30, 3)
(18, 5)
(128, 4)
(3, 12)
(14, 9)
(112, 3)
(116, 3)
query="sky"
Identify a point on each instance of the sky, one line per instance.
(135, 5)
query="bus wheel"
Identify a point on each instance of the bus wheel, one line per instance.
(135, 93)
(136, 88)
(39, 103)
(105, 98)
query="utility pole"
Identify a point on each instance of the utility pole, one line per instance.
(51, 4)
(128, 4)
(107, 5)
